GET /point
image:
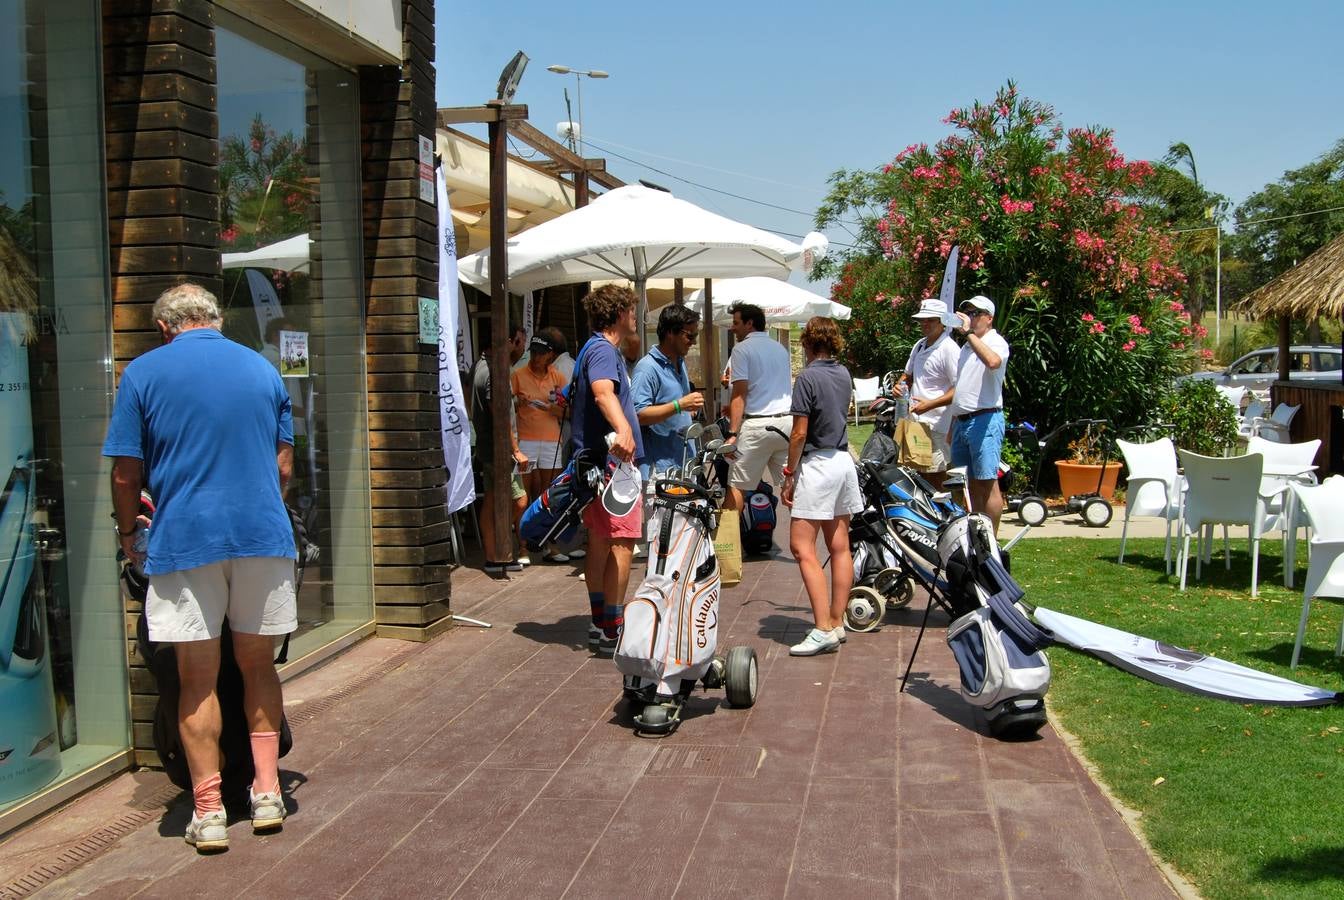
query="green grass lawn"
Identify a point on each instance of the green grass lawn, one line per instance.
(1245, 801)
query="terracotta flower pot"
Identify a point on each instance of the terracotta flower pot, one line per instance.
(1081, 478)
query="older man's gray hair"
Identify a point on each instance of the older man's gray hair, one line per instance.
(187, 304)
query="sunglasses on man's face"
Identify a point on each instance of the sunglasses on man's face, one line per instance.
(974, 311)
(691, 335)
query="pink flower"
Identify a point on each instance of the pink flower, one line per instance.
(1098, 328)
(1135, 321)
(1088, 317)
(1206, 354)
(1128, 346)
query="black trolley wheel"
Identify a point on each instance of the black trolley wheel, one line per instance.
(741, 677)
(1097, 512)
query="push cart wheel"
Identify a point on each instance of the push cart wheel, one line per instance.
(1033, 511)
(1097, 512)
(713, 677)
(864, 610)
(896, 588)
(741, 677)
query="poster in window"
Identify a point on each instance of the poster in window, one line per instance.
(294, 354)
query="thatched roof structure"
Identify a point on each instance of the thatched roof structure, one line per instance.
(1314, 287)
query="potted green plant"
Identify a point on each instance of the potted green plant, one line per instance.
(1203, 420)
(1088, 465)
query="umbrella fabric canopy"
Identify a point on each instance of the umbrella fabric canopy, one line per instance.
(640, 233)
(291, 254)
(782, 302)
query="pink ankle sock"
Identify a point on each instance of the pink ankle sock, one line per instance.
(266, 762)
(205, 793)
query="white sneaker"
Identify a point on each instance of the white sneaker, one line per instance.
(268, 810)
(817, 641)
(838, 632)
(208, 833)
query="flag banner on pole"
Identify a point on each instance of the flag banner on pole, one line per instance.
(465, 356)
(452, 408)
(529, 315)
(948, 292)
(1185, 670)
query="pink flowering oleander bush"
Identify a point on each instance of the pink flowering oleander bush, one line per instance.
(1087, 290)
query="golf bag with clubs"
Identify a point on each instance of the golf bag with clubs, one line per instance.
(1004, 672)
(670, 637)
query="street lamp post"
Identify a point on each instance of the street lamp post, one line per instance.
(578, 83)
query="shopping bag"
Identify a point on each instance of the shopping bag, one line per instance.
(728, 548)
(914, 439)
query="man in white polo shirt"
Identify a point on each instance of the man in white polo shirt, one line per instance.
(758, 410)
(977, 405)
(930, 375)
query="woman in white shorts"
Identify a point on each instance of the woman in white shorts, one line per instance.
(821, 486)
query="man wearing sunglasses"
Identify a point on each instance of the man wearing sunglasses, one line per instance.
(661, 390)
(977, 405)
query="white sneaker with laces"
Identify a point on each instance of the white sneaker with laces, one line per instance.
(210, 832)
(268, 810)
(817, 641)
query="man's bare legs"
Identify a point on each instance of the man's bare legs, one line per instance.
(986, 498)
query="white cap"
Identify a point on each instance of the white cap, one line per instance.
(980, 301)
(930, 309)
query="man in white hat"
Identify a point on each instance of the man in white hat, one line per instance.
(977, 405)
(930, 375)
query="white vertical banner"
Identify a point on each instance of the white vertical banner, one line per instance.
(529, 314)
(264, 300)
(465, 356)
(452, 405)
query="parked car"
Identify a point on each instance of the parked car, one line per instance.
(1257, 370)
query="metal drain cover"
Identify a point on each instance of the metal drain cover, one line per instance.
(706, 762)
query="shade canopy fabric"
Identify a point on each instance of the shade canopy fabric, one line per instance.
(782, 303)
(291, 254)
(638, 233)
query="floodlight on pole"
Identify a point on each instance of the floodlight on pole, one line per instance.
(574, 135)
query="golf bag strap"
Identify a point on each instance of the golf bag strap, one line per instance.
(1011, 619)
(664, 538)
(1008, 585)
(284, 652)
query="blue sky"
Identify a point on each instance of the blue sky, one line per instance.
(781, 95)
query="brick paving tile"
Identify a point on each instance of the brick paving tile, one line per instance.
(501, 762)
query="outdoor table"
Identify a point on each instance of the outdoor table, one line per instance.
(1285, 475)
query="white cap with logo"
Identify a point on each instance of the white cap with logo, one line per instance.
(931, 309)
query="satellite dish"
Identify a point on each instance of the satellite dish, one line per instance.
(568, 131)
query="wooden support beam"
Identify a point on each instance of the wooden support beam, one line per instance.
(491, 112)
(501, 394)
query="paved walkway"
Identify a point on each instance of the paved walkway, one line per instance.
(501, 763)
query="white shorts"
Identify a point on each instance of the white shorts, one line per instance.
(826, 486)
(759, 449)
(542, 454)
(255, 592)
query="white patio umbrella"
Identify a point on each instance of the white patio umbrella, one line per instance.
(291, 254)
(638, 233)
(780, 301)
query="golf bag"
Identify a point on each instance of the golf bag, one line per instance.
(758, 519)
(671, 624)
(873, 548)
(555, 515)
(1004, 672)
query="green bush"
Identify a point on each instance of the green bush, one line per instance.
(1205, 421)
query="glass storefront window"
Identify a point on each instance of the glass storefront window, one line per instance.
(63, 679)
(292, 237)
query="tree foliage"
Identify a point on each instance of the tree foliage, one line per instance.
(263, 189)
(1050, 228)
(1273, 234)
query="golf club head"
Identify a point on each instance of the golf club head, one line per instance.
(694, 430)
(714, 445)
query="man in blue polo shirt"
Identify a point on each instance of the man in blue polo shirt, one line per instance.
(206, 423)
(661, 390)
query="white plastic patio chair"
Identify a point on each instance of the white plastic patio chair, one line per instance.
(865, 392)
(1233, 395)
(1279, 506)
(1221, 491)
(1275, 428)
(1254, 410)
(1153, 488)
(1324, 505)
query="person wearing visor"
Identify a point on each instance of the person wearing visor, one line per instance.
(977, 405)
(929, 376)
(536, 386)
(661, 389)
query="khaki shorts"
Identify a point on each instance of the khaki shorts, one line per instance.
(255, 592)
(759, 449)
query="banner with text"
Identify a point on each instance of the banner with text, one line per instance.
(452, 406)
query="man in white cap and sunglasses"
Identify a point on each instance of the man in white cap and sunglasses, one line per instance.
(930, 374)
(977, 405)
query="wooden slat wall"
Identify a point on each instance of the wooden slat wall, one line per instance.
(410, 527)
(1314, 418)
(162, 138)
